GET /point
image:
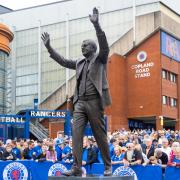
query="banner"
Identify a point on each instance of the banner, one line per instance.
(172, 173)
(41, 170)
(14, 170)
(139, 172)
(170, 46)
(26, 170)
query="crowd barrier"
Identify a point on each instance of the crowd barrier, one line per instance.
(27, 170)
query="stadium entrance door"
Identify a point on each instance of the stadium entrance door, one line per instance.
(12, 126)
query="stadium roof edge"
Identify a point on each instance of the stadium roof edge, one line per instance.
(6, 7)
(169, 8)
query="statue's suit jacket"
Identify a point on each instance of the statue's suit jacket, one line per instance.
(97, 68)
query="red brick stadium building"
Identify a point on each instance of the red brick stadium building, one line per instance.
(145, 84)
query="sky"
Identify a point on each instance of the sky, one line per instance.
(19, 4)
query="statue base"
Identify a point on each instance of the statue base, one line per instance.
(92, 178)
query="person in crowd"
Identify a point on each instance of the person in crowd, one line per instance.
(118, 156)
(145, 159)
(42, 156)
(148, 149)
(154, 135)
(89, 154)
(59, 146)
(130, 137)
(113, 143)
(38, 148)
(162, 158)
(8, 154)
(132, 156)
(28, 152)
(25, 146)
(67, 153)
(122, 140)
(161, 136)
(16, 150)
(136, 138)
(60, 135)
(51, 154)
(170, 142)
(165, 147)
(155, 143)
(1, 149)
(153, 160)
(173, 135)
(8, 141)
(93, 144)
(67, 149)
(20, 144)
(174, 145)
(175, 161)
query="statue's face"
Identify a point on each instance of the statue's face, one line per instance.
(87, 48)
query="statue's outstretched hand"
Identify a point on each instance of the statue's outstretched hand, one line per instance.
(94, 18)
(46, 39)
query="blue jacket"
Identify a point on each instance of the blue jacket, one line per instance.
(17, 152)
(59, 152)
(38, 150)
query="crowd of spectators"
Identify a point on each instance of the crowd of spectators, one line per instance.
(146, 147)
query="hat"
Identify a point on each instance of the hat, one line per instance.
(59, 141)
(8, 141)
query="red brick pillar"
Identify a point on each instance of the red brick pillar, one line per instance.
(177, 125)
(159, 123)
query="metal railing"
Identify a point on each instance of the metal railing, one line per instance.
(38, 130)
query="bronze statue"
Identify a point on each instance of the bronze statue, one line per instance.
(91, 94)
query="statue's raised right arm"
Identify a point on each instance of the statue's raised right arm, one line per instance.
(68, 63)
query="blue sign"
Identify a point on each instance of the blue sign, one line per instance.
(36, 104)
(11, 119)
(25, 170)
(17, 126)
(170, 46)
(47, 114)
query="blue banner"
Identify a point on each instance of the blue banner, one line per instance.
(14, 170)
(41, 170)
(139, 172)
(26, 170)
(170, 46)
(172, 173)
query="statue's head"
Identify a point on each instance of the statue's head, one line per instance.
(88, 47)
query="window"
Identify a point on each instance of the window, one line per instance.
(165, 100)
(173, 102)
(173, 77)
(164, 74)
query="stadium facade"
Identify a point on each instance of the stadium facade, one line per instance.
(35, 76)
